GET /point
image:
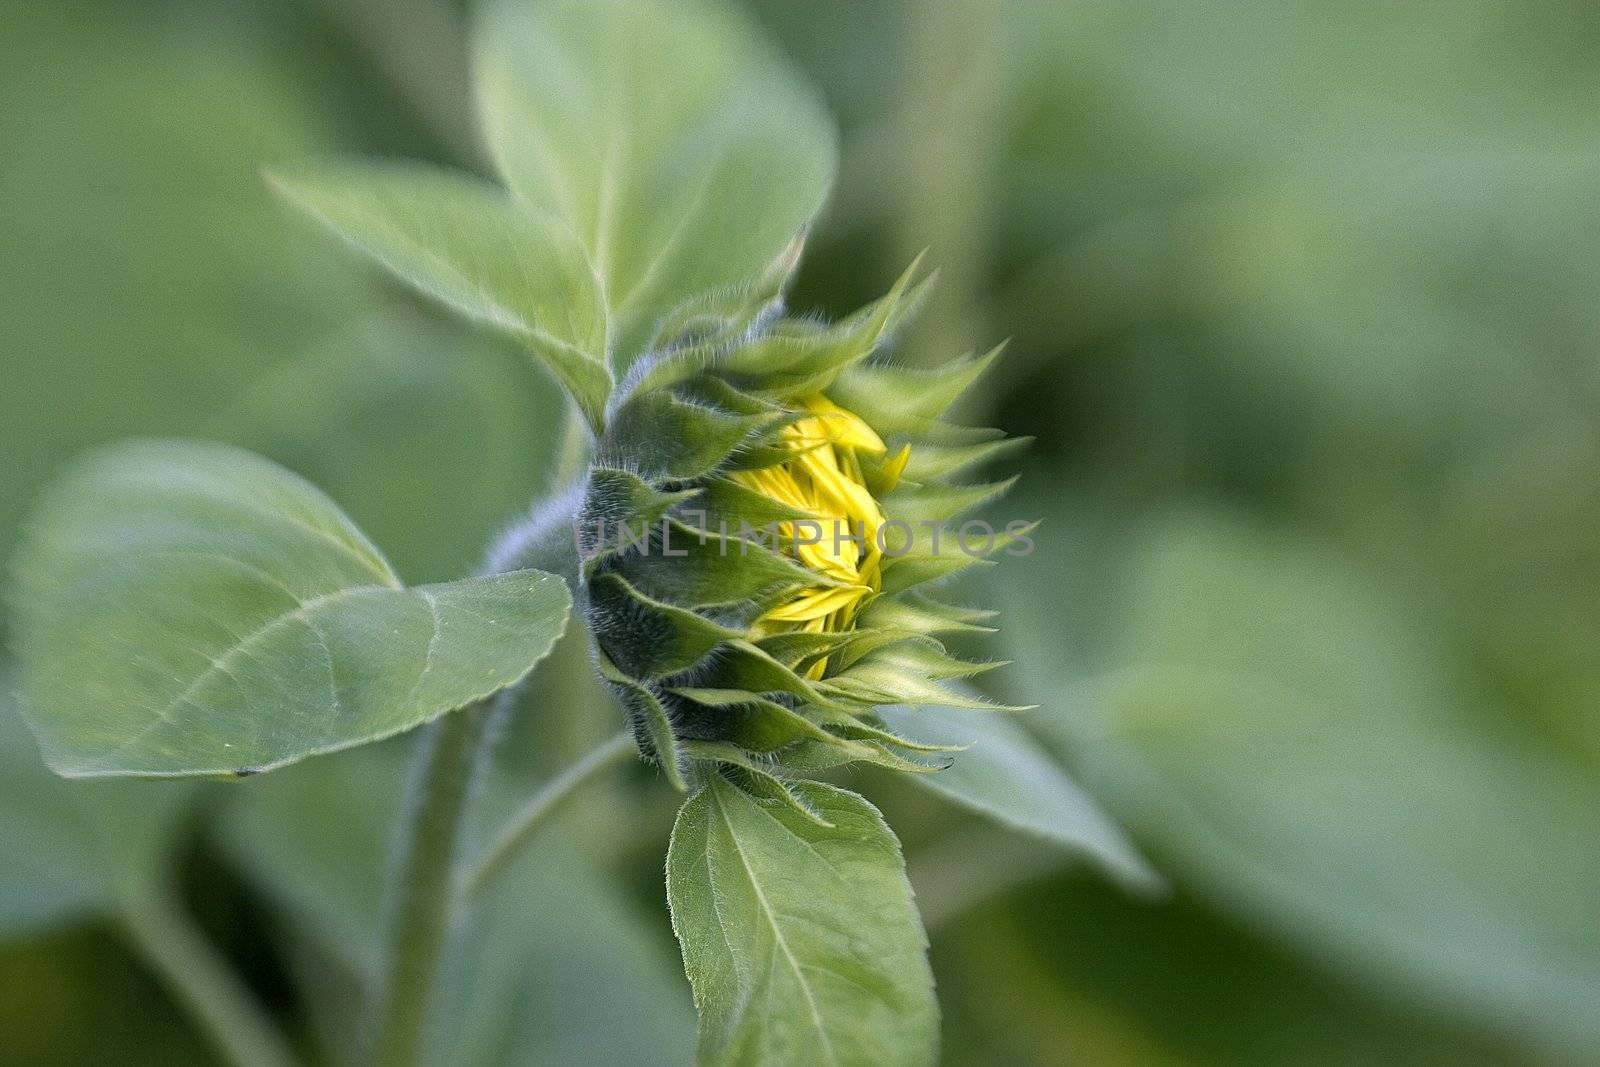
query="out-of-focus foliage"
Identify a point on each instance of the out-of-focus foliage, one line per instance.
(432, 439)
(1304, 330)
(1327, 773)
(69, 850)
(145, 279)
(1003, 772)
(556, 966)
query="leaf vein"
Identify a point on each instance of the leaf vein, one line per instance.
(777, 933)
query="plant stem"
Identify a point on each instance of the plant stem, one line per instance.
(425, 877)
(196, 974)
(540, 807)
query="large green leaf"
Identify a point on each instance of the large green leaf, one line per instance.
(552, 965)
(471, 246)
(190, 609)
(1006, 775)
(654, 152)
(801, 940)
(684, 153)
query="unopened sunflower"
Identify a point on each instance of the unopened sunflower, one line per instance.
(769, 508)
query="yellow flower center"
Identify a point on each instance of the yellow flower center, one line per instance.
(823, 478)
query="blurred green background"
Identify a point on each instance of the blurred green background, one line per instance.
(1304, 320)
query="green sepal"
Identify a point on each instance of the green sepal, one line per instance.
(800, 357)
(915, 613)
(868, 640)
(614, 498)
(859, 729)
(727, 504)
(716, 573)
(915, 569)
(652, 729)
(903, 399)
(648, 638)
(767, 449)
(664, 438)
(814, 758)
(880, 682)
(741, 665)
(708, 389)
(796, 650)
(931, 460)
(752, 721)
(941, 503)
(925, 561)
(860, 642)
(729, 311)
(927, 657)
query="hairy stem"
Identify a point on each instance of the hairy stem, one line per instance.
(541, 806)
(425, 877)
(449, 758)
(197, 976)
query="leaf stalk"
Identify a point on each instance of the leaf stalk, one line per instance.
(197, 976)
(424, 877)
(543, 804)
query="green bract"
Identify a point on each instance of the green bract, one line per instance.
(767, 509)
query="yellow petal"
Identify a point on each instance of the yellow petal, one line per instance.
(816, 604)
(845, 428)
(823, 476)
(893, 468)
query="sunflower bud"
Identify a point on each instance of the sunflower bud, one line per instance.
(768, 508)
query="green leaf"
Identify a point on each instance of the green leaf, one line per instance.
(801, 940)
(682, 151)
(1006, 775)
(474, 248)
(192, 609)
